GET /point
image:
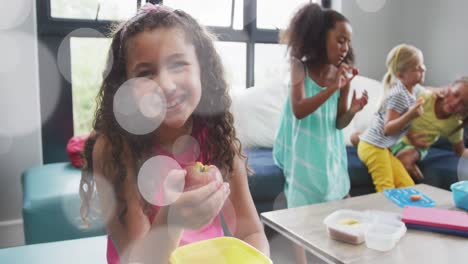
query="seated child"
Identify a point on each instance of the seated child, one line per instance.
(406, 69)
(414, 146)
(442, 117)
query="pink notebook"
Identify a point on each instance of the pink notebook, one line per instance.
(435, 217)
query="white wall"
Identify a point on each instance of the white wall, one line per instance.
(440, 28)
(374, 34)
(20, 135)
(437, 27)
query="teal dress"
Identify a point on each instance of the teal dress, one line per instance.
(312, 153)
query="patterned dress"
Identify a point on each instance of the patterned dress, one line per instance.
(312, 153)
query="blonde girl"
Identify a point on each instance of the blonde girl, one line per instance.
(405, 69)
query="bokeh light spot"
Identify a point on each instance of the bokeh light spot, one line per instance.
(186, 149)
(14, 13)
(139, 106)
(161, 180)
(64, 63)
(371, 6)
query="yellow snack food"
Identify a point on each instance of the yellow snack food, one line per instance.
(348, 222)
(200, 167)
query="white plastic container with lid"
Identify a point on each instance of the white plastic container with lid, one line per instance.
(347, 225)
(383, 234)
(380, 230)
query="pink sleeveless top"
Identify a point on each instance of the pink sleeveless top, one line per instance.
(211, 230)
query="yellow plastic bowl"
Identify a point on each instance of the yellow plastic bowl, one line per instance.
(226, 250)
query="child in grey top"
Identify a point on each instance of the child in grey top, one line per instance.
(399, 100)
(406, 69)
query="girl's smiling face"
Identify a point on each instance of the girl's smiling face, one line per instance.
(338, 42)
(166, 57)
(456, 99)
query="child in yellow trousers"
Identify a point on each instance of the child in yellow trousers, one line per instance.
(406, 69)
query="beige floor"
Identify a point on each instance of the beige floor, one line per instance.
(281, 251)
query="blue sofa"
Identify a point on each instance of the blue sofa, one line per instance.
(51, 204)
(267, 182)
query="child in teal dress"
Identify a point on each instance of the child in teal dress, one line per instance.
(309, 145)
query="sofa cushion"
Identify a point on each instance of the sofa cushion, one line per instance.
(361, 119)
(440, 168)
(465, 136)
(442, 143)
(257, 112)
(358, 174)
(267, 181)
(51, 205)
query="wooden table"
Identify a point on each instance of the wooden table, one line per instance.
(304, 225)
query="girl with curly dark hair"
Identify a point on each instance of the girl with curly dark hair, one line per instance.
(309, 145)
(165, 52)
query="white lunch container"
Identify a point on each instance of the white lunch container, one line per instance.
(383, 235)
(380, 230)
(347, 225)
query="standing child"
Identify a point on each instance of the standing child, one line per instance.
(170, 49)
(406, 69)
(309, 145)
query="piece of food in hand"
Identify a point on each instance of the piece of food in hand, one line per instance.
(421, 100)
(351, 72)
(199, 175)
(415, 197)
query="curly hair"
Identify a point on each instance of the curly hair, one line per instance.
(221, 145)
(306, 35)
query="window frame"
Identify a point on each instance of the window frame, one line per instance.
(58, 129)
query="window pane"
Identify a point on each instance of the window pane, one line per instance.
(88, 57)
(233, 55)
(270, 64)
(239, 14)
(207, 12)
(279, 12)
(88, 9)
